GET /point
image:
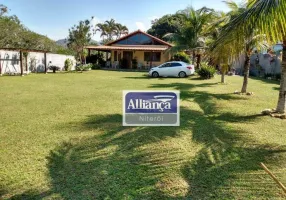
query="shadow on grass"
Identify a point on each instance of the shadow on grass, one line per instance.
(32, 194)
(276, 88)
(131, 162)
(146, 76)
(182, 86)
(265, 80)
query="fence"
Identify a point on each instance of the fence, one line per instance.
(36, 61)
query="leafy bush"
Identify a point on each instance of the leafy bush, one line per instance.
(268, 75)
(54, 68)
(95, 66)
(278, 77)
(85, 67)
(134, 63)
(206, 71)
(181, 56)
(68, 64)
(97, 58)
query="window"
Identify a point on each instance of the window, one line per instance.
(152, 56)
(166, 65)
(115, 56)
(138, 39)
(176, 65)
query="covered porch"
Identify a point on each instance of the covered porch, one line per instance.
(140, 57)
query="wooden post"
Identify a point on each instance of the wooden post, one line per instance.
(26, 63)
(151, 59)
(273, 177)
(97, 62)
(88, 52)
(45, 55)
(21, 63)
(106, 57)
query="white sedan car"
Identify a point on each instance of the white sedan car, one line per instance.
(173, 68)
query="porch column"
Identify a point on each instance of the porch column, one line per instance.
(97, 57)
(106, 58)
(45, 55)
(151, 59)
(21, 63)
(88, 52)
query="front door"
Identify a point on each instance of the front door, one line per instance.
(127, 59)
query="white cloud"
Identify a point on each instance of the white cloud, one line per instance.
(141, 26)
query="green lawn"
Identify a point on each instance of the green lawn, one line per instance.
(61, 138)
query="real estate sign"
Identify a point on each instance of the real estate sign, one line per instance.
(151, 108)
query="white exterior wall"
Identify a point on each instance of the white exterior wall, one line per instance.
(273, 67)
(10, 61)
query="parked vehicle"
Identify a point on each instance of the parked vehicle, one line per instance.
(174, 68)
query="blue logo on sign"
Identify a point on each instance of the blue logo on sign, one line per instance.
(151, 102)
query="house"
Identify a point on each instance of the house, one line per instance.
(137, 50)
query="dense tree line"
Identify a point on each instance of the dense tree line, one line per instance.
(14, 34)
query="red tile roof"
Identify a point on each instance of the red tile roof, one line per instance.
(139, 31)
(131, 47)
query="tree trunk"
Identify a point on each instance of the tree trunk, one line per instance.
(222, 77)
(246, 73)
(21, 63)
(281, 105)
(194, 57)
(223, 70)
(198, 61)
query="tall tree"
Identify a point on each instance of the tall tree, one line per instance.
(166, 24)
(3, 9)
(120, 30)
(79, 37)
(190, 35)
(249, 39)
(110, 30)
(268, 17)
(22, 37)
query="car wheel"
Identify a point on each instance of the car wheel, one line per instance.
(182, 74)
(155, 74)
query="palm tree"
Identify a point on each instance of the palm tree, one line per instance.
(267, 17)
(191, 34)
(110, 29)
(101, 28)
(249, 40)
(120, 30)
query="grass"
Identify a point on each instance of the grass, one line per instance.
(61, 138)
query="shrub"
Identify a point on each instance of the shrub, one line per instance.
(268, 75)
(84, 67)
(95, 66)
(134, 63)
(181, 56)
(68, 64)
(206, 71)
(54, 68)
(278, 77)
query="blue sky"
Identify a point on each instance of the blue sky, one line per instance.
(53, 18)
